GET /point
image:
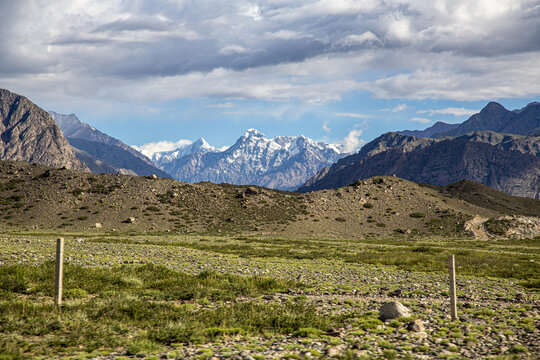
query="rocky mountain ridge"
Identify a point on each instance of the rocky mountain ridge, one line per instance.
(508, 163)
(29, 134)
(103, 153)
(493, 117)
(495, 147)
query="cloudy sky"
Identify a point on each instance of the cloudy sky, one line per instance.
(342, 71)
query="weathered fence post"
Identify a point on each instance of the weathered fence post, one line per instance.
(453, 305)
(59, 272)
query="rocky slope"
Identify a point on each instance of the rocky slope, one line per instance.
(280, 163)
(29, 134)
(508, 163)
(103, 153)
(434, 130)
(34, 197)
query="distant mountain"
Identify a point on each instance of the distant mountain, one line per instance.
(493, 117)
(29, 134)
(508, 163)
(103, 153)
(496, 118)
(438, 127)
(284, 162)
(165, 157)
(73, 128)
(120, 160)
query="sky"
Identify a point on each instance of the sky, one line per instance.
(340, 71)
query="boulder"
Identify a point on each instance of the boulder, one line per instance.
(393, 310)
(98, 226)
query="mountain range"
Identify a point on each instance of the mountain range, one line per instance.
(493, 117)
(103, 153)
(496, 147)
(283, 162)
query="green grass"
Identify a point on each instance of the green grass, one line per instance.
(142, 308)
(518, 259)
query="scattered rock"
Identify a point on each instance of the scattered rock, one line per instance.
(335, 350)
(393, 310)
(98, 225)
(416, 326)
(129, 220)
(251, 190)
(152, 177)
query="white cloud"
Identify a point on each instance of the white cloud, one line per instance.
(421, 120)
(285, 35)
(396, 108)
(233, 50)
(353, 39)
(449, 111)
(354, 115)
(325, 127)
(226, 105)
(352, 142)
(116, 51)
(510, 76)
(159, 146)
(325, 8)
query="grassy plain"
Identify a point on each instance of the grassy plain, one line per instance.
(265, 297)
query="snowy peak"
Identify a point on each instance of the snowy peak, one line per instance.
(200, 145)
(283, 162)
(160, 158)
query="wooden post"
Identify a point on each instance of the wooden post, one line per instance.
(453, 304)
(59, 272)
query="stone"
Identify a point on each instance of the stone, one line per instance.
(416, 326)
(98, 225)
(129, 220)
(393, 310)
(335, 350)
(152, 176)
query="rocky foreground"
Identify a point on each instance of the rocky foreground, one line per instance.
(497, 317)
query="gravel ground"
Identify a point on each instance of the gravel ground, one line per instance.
(497, 317)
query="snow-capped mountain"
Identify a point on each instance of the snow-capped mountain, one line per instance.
(198, 146)
(284, 162)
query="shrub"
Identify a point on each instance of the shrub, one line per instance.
(340, 219)
(417, 215)
(75, 293)
(368, 205)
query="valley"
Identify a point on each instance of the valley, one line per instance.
(204, 271)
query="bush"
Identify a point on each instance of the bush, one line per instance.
(368, 205)
(340, 219)
(75, 293)
(417, 215)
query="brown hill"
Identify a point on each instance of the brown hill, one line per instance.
(29, 134)
(486, 197)
(38, 198)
